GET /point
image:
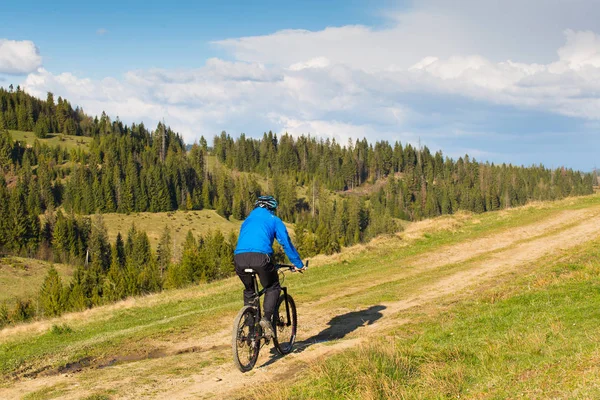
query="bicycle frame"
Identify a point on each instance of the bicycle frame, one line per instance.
(258, 294)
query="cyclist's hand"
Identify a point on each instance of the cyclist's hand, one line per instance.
(301, 270)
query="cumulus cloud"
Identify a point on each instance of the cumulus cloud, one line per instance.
(335, 99)
(529, 31)
(18, 57)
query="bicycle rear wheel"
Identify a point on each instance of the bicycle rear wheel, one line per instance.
(245, 341)
(285, 323)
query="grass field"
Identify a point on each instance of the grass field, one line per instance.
(483, 341)
(22, 277)
(67, 141)
(179, 222)
(533, 337)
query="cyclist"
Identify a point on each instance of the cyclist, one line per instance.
(254, 250)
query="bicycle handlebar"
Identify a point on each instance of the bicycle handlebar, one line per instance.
(291, 267)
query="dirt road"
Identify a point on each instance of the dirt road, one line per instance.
(324, 333)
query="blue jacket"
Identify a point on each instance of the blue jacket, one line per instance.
(259, 230)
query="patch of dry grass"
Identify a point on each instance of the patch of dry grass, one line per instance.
(179, 222)
(22, 277)
(67, 141)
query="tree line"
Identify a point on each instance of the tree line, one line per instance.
(23, 112)
(419, 184)
(335, 195)
(107, 272)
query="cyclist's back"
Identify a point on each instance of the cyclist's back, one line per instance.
(257, 234)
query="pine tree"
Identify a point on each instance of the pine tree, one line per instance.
(206, 197)
(99, 247)
(114, 283)
(2, 121)
(19, 223)
(6, 150)
(5, 218)
(164, 251)
(190, 262)
(238, 208)
(51, 294)
(60, 237)
(41, 128)
(120, 250)
(77, 299)
(150, 280)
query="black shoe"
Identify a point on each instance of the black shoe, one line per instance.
(267, 328)
(249, 322)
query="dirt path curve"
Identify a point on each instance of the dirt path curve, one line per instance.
(462, 252)
(225, 380)
(490, 256)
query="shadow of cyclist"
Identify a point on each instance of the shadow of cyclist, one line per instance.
(338, 328)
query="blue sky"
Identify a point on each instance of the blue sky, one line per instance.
(512, 81)
(159, 34)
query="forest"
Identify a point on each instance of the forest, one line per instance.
(336, 195)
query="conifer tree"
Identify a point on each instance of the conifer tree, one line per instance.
(19, 225)
(190, 261)
(5, 218)
(164, 251)
(51, 294)
(99, 247)
(6, 150)
(114, 284)
(206, 197)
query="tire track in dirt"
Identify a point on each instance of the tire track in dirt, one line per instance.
(223, 380)
(451, 254)
(458, 253)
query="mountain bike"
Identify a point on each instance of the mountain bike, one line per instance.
(248, 337)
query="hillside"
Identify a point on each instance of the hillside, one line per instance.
(22, 277)
(69, 142)
(401, 298)
(179, 223)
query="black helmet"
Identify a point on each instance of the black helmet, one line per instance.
(267, 202)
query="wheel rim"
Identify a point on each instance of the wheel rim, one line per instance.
(248, 339)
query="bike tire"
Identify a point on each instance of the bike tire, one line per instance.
(285, 329)
(245, 341)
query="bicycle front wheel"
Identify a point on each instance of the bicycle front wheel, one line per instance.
(285, 323)
(245, 342)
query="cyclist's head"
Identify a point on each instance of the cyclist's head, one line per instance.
(267, 202)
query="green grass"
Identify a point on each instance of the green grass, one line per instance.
(533, 337)
(47, 392)
(153, 321)
(67, 141)
(179, 222)
(22, 277)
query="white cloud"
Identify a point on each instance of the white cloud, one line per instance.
(582, 50)
(18, 57)
(327, 98)
(529, 31)
(101, 32)
(318, 62)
